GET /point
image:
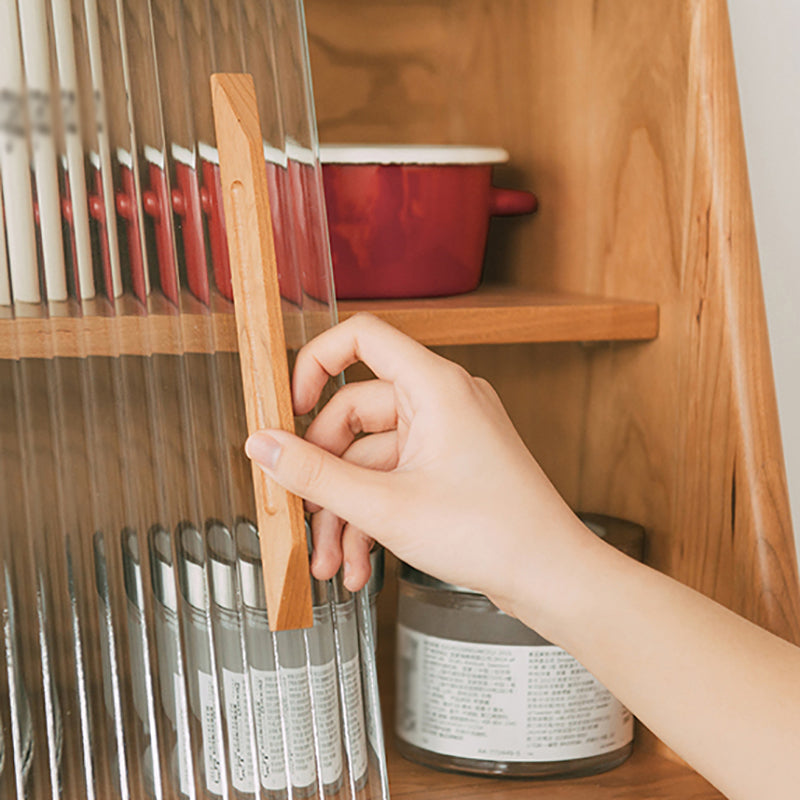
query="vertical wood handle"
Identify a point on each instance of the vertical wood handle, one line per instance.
(262, 344)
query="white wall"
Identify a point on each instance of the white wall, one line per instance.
(765, 43)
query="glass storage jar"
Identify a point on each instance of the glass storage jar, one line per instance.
(377, 561)
(477, 691)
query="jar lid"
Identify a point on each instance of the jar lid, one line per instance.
(251, 573)
(412, 575)
(222, 564)
(191, 565)
(100, 566)
(628, 537)
(162, 572)
(132, 567)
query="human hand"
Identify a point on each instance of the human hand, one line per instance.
(441, 477)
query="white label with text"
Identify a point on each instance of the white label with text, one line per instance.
(509, 703)
(209, 721)
(356, 723)
(240, 753)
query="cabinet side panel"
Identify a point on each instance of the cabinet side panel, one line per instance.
(683, 434)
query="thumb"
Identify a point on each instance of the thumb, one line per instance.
(318, 476)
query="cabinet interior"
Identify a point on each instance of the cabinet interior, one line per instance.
(623, 117)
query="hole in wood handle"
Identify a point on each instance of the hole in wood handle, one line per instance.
(239, 203)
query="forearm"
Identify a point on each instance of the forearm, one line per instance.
(721, 692)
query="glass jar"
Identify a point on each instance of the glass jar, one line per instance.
(354, 718)
(261, 659)
(377, 561)
(202, 683)
(307, 669)
(138, 669)
(172, 690)
(479, 692)
(227, 630)
(20, 732)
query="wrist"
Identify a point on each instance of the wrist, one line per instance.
(556, 577)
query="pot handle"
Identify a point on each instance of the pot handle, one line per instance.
(507, 202)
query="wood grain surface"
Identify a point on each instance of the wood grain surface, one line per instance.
(491, 315)
(262, 344)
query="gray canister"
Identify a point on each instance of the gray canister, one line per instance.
(479, 692)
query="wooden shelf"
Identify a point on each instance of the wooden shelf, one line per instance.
(487, 316)
(644, 775)
(499, 315)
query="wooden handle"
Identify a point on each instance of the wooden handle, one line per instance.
(262, 345)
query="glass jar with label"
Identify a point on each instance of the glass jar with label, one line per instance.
(271, 758)
(236, 710)
(350, 683)
(477, 691)
(203, 689)
(172, 687)
(311, 720)
(134, 591)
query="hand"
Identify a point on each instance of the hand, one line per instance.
(441, 477)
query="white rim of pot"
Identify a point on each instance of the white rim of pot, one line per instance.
(410, 154)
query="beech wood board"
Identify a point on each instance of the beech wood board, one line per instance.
(262, 343)
(490, 315)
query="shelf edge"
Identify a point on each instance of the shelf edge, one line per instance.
(482, 318)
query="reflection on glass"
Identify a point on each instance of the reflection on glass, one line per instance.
(111, 224)
(21, 727)
(132, 574)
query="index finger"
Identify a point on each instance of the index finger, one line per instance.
(390, 354)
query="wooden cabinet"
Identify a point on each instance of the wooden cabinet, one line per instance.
(623, 326)
(623, 117)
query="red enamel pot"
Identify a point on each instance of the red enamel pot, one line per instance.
(412, 221)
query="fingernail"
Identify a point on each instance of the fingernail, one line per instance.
(263, 449)
(347, 575)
